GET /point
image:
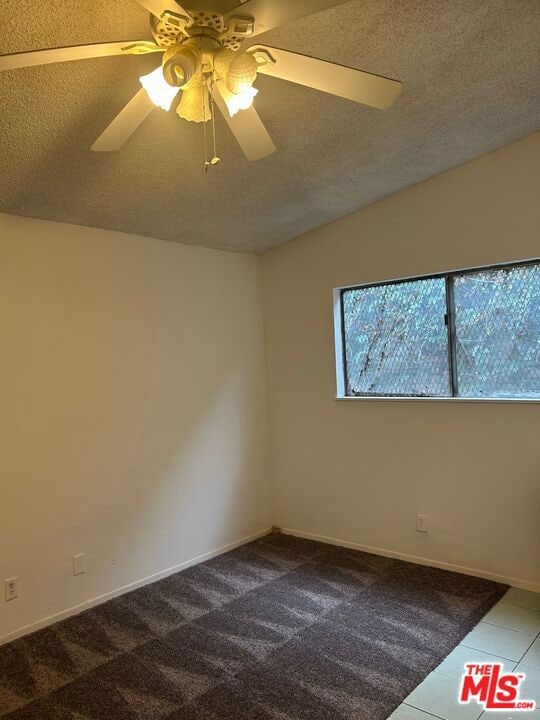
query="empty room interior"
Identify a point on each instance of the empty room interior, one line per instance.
(270, 360)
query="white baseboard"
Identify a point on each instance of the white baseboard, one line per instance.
(32, 627)
(507, 580)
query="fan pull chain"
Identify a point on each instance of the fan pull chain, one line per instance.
(216, 159)
(206, 163)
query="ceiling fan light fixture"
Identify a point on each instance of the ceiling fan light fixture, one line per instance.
(159, 92)
(194, 105)
(182, 64)
(203, 51)
(222, 61)
(242, 73)
(240, 101)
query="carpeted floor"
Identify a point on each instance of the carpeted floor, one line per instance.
(280, 629)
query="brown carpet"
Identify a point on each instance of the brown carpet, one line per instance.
(280, 629)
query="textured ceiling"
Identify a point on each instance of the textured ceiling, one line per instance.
(470, 71)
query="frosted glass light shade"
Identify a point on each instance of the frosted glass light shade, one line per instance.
(194, 105)
(160, 92)
(240, 101)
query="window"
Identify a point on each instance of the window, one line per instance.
(470, 334)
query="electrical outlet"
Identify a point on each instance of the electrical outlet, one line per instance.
(421, 523)
(79, 564)
(11, 588)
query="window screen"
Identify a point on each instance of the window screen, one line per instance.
(472, 334)
(497, 318)
(396, 339)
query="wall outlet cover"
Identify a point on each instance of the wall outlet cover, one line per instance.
(11, 588)
(79, 564)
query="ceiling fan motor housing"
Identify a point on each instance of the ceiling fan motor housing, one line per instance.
(172, 28)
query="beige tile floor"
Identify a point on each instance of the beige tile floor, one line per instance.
(510, 634)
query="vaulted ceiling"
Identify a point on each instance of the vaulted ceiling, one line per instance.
(470, 73)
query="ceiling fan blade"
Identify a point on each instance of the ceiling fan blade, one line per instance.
(346, 82)
(75, 52)
(158, 7)
(269, 14)
(125, 123)
(248, 129)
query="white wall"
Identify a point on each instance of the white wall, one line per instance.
(133, 407)
(132, 410)
(359, 471)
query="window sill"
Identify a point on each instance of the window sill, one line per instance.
(504, 401)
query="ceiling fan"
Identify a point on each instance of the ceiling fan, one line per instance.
(205, 64)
